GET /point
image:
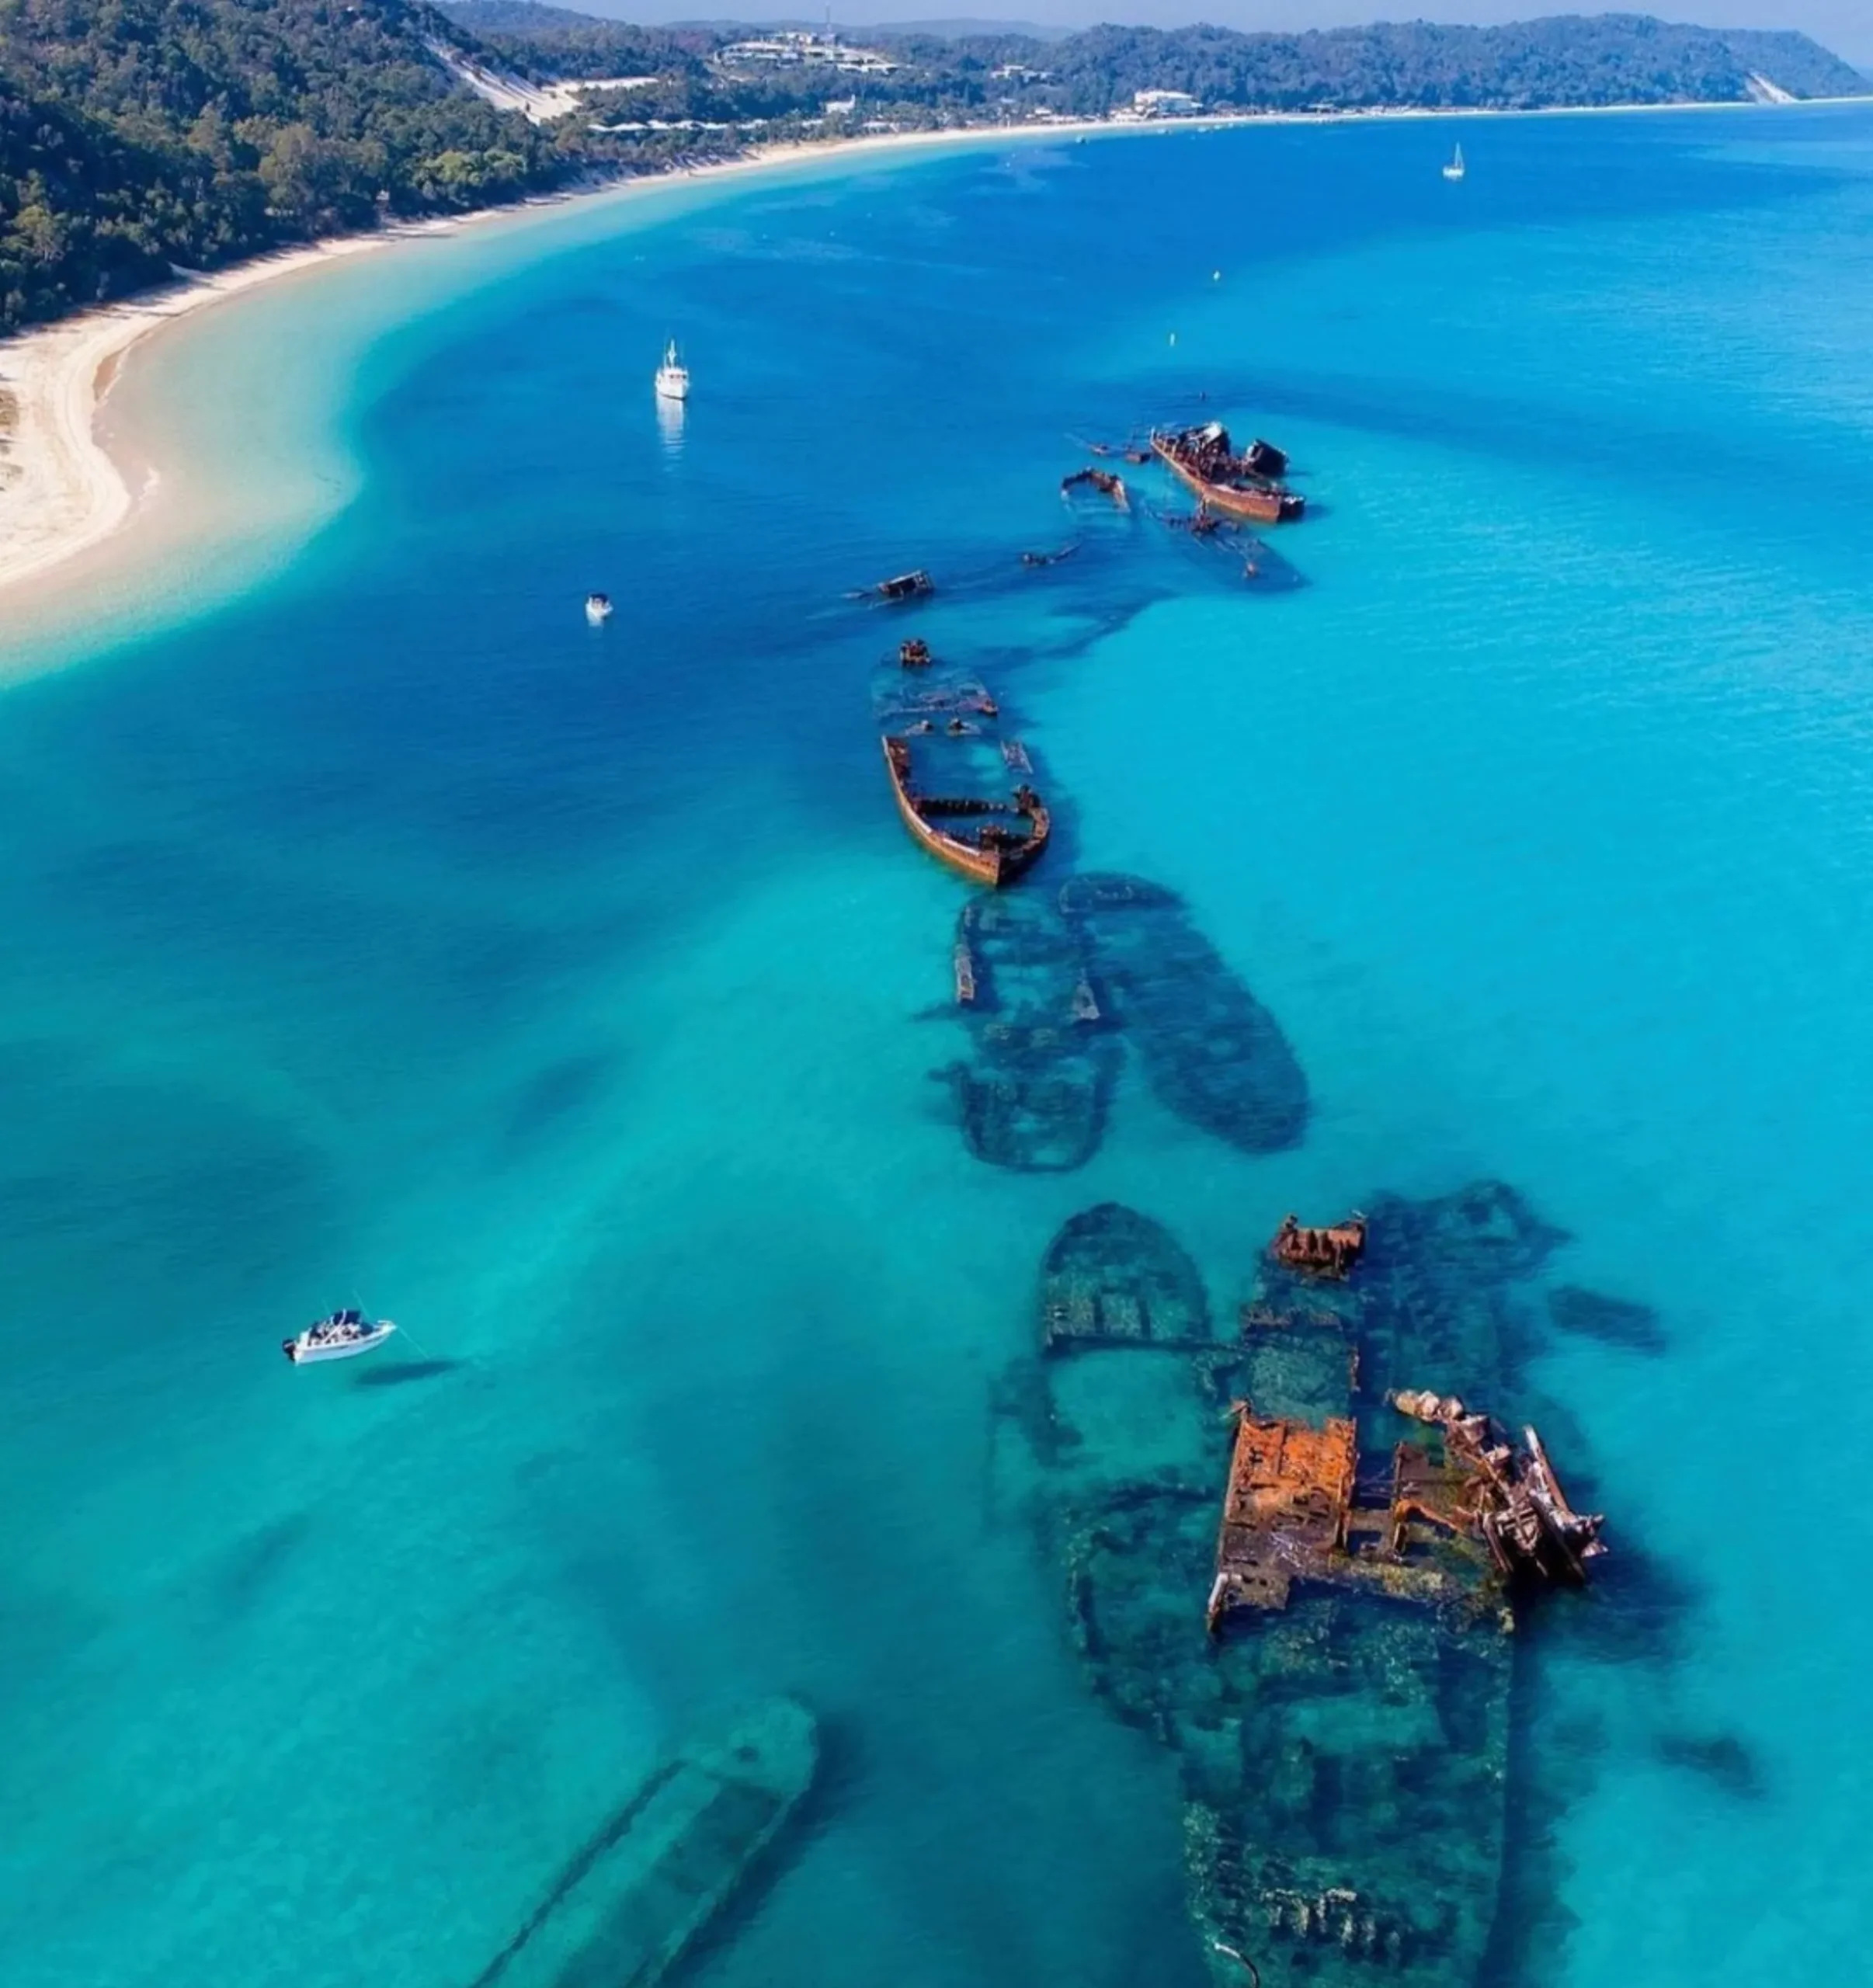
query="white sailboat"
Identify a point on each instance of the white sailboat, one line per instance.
(1455, 169)
(338, 1337)
(672, 375)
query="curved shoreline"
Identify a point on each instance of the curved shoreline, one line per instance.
(66, 492)
(63, 491)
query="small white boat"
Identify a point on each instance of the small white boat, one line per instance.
(338, 1337)
(672, 375)
(1455, 169)
(598, 609)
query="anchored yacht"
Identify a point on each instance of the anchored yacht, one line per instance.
(672, 375)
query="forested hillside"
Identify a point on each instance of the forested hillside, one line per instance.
(138, 133)
(1565, 60)
(1610, 58)
(135, 134)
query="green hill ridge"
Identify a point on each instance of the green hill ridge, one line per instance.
(139, 135)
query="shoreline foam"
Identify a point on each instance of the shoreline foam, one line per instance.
(64, 491)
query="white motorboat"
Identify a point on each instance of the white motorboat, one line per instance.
(338, 1337)
(672, 375)
(1455, 169)
(598, 609)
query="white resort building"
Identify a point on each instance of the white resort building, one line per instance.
(801, 46)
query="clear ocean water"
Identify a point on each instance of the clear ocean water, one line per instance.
(382, 934)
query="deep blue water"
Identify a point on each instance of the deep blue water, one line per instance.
(386, 930)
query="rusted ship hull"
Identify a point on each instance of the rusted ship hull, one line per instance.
(1330, 1252)
(993, 863)
(1271, 506)
(1342, 1750)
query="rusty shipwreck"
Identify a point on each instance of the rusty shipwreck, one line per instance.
(952, 773)
(1342, 1735)
(1247, 485)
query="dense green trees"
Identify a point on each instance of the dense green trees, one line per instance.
(138, 133)
(1607, 58)
(135, 134)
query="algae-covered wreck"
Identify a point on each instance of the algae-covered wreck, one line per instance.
(1032, 1094)
(1211, 1052)
(1343, 1739)
(1054, 988)
(635, 1898)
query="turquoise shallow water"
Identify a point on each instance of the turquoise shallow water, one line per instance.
(565, 995)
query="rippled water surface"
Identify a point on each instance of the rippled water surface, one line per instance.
(389, 935)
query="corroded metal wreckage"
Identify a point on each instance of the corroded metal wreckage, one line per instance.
(1106, 482)
(1330, 1252)
(1032, 1094)
(1343, 1757)
(1511, 1499)
(949, 769)
(1213, 1054)
(636, 1897)
(1291, 1510)
(1204, 461)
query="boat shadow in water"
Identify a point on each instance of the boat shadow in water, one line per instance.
(409, 1373)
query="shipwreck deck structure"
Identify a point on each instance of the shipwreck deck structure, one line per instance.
(1328, 1252)
(1292, 1512)
(1204, 461)
(1008, 833)
(1286, 1509)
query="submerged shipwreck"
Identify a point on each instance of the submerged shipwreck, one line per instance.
(1343, 1734)
(949, 769)
(1108, 483)
(1204, 460)
(1053, 989)
(1032, 1094)
(635, 1899)
(1212, 1053)
(1509, 1498)
(1293, 1511)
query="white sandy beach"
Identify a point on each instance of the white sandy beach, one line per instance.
(61, 490)
(62, 493)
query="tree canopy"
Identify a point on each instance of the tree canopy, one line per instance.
(139, 134)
